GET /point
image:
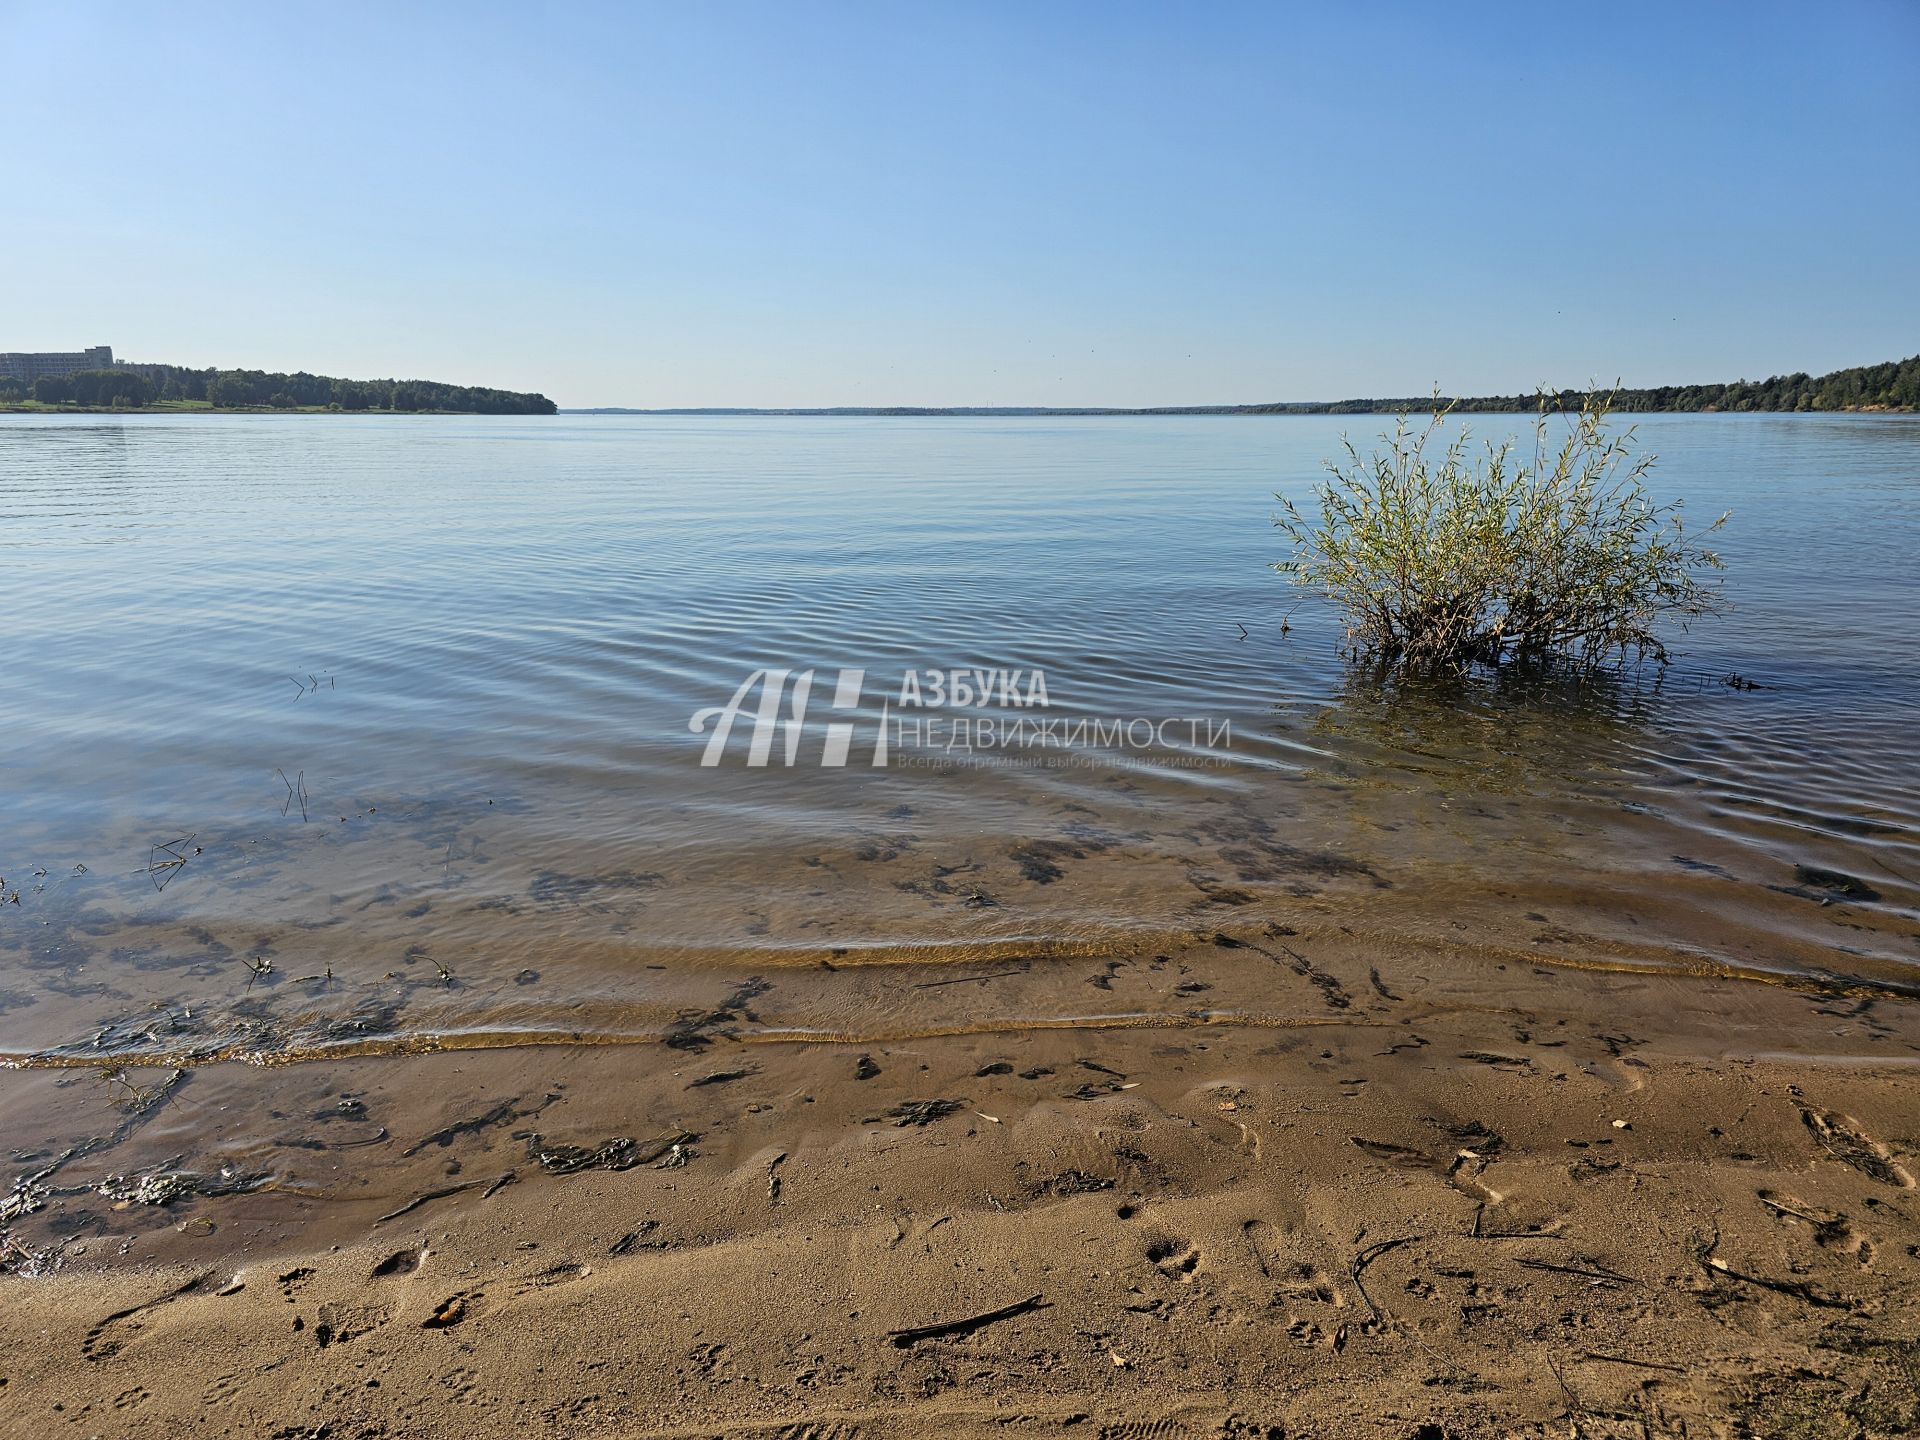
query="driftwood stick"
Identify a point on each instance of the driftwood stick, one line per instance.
(967, 979)
(904, 1338)
(1365, 1258)
(1798, 1289)
(1629, 1360)
(1595, 1272)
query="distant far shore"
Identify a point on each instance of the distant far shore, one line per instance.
(1893, 386)
(188, 407)
(34, 382)
(1010, 412)
(1889, 388)
(1014, 412)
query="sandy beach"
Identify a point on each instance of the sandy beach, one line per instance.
(1538, 1201)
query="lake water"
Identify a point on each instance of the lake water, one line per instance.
(324, 734)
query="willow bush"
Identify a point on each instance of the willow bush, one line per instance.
(1475, 557)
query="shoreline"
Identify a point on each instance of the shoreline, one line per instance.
(1498, 1205)
(244, 410)
(904, 412)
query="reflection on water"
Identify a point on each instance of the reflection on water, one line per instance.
(342, 733)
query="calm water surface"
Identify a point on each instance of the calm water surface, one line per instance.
(469, 650)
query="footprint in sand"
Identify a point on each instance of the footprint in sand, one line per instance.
(1851, 1145)
(294, 1281)
(340, 1322)
(1304, 1282)
(1233, 1427)
(453, 1310)
(563, 1273)
(401, 1262)
(1302, 1288)
(1314, 1335)
(1831, 1230)
(223, 1390)
(1175, 1259)
(464, 1305)
(106, 1339)
(460, 1383)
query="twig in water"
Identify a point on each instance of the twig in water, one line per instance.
(903, 1338)
(312, 685)
(160, 871)
(501, 1113)
(442, 1193)
(296, 790)
(967, 979)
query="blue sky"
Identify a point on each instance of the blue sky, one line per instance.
(1113, 203)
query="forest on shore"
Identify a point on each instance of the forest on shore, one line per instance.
(178, 387)
(1894, 385)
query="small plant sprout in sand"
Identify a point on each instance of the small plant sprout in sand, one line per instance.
(1474, 558)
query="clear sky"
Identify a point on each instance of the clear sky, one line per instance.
(804, 203)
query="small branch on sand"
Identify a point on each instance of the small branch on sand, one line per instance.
(1629, 1360)
(903, 1338)
(1480, 1232)
(1798, 1289)
(1596, 1272)
(1365, 1258)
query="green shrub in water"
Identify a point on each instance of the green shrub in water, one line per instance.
(1482, 556)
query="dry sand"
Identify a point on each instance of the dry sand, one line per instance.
(1551, 1202)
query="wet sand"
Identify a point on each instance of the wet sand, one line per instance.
(1489, 1199)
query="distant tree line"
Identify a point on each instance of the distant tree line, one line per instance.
(83, 387)
(1894, 385)
(134, 385)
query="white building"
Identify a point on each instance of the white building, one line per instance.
(27, 366)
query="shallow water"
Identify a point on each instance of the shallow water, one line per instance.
(336, 734)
